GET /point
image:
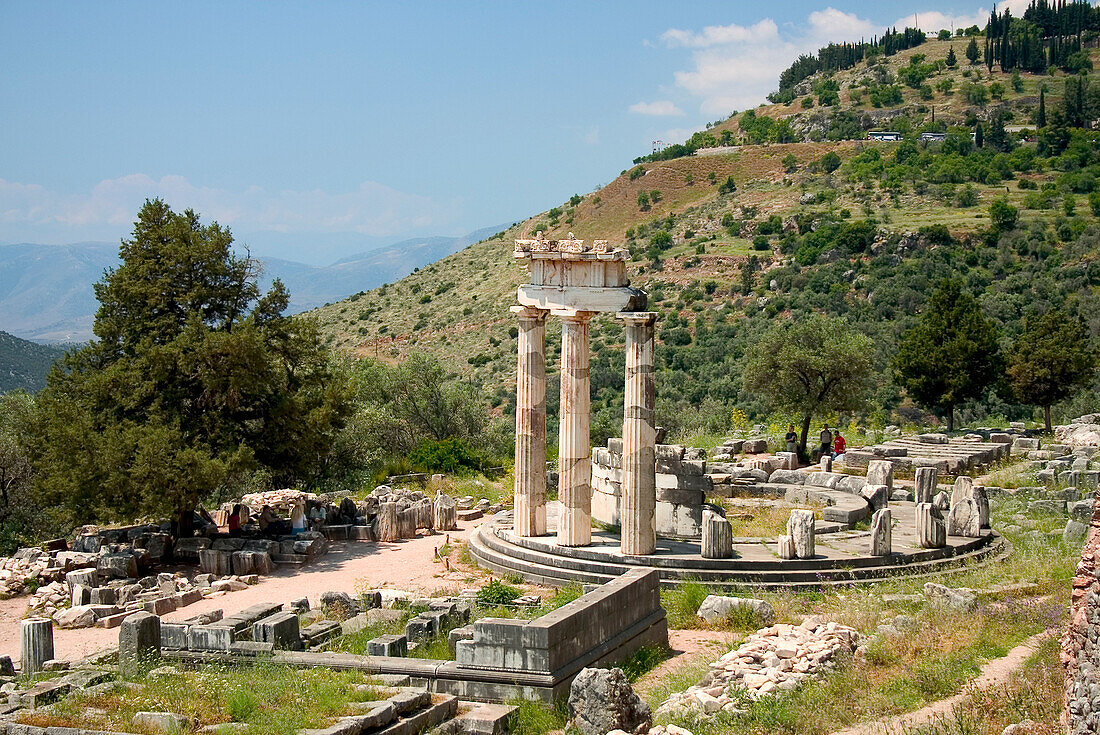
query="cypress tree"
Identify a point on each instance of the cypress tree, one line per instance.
(1041, 121)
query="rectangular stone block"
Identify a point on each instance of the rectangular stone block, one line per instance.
(159, 605)
(683, 482)
(187, 597)
(679, 497)
(388, 645)
(214, 637)
(280, 630)
(175, 635)
(669, 451)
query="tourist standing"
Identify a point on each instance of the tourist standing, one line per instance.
(791, 439)
(826, 439)
(838, 444)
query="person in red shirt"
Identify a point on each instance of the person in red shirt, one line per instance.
(838, 444)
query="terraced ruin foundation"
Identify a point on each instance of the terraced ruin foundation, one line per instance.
(842, 556)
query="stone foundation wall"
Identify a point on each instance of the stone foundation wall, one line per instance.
(682, 487)
(1081, 642)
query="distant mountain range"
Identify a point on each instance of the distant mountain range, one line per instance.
(24, 364)
(46, 290)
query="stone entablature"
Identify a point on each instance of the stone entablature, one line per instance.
(568, 276)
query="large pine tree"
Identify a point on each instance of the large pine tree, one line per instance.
(950, 355)
(195, 378)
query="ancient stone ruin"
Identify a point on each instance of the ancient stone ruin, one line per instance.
(574, 281)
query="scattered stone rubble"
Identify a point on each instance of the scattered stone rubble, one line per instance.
(772, 659)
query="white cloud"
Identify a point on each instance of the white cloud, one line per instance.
(660, 108)
(734, 67)
(720, 35)
(371, 209)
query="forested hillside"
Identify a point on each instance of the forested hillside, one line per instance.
(23, 364)
(799, 213)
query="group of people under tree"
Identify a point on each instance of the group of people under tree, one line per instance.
(830, 443)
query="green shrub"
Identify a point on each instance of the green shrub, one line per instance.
(448, 455)
(497, 593)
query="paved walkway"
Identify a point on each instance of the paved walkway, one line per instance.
(405, 565)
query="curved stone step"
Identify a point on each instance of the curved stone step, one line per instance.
(498, 555)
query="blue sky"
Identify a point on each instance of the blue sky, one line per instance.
(319, 129)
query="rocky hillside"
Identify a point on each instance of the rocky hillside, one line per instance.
(736, 236)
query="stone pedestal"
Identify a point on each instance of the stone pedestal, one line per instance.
(881, 533)
(931, 531)
(36, 644)
(138, 643)
(406, 523)
(717, 537)
(639, 486)
(924, 486)
(800, 530)
(881, 472)
(964, 519)
(530, 469)
(826, 463)
(963, 488)
(445, 513)
(385, 524)
(574, 450)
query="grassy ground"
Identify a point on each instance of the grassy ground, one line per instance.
(1032, 693)
(899, 673)
(269, 700)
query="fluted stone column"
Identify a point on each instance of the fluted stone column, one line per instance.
(574, 450)
(530, 471)
(639, 490)
(35, 644)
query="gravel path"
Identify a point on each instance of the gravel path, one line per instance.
(994, 673)
(405, 565)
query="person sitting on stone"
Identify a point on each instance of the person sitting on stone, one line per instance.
(271, 524)
(317, 515)
(298, 516)
(826, 438)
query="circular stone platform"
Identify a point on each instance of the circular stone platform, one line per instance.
(843, 556)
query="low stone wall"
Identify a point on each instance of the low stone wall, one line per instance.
(564, 640)
(505, 659)
(1081, 642)
(682, 487)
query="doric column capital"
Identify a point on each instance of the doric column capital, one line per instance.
(639, 318)
(530, 313)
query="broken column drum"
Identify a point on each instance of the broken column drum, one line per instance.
(36, 644)
(924, 484)
(574, 281)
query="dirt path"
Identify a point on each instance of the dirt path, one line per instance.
(994, 673)
(688, 647)
(405, 565)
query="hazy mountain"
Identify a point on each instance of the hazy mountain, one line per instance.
(46, 290)
(24, 364)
